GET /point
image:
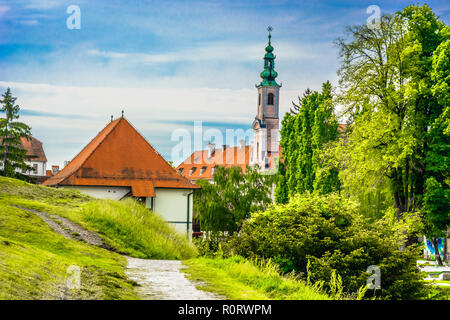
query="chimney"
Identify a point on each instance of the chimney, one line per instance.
(211, 149)
(55, 169)
(66, 163)
(242, 143)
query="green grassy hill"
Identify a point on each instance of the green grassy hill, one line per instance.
(34, 259)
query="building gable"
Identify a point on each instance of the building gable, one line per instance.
(120, 156)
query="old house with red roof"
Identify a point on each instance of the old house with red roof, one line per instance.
(36, 158)
(119, 163)
(202, 164)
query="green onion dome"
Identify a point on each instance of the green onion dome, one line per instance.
(269, 74)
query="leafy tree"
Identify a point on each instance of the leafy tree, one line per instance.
(394, 85)
(12, 153)
(281, 191)
(324, 130)
(224, 204)
(305, 132)
(328, 233)
(436, 206)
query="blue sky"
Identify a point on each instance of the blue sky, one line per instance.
(166, 63)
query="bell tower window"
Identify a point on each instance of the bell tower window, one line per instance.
(270, 99)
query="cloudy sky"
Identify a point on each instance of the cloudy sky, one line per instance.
(165, 63)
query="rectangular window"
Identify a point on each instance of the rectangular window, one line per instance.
(35, 168)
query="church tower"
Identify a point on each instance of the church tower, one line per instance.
(266, 124)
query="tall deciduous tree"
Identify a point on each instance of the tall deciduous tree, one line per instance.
(394, 84)
(11, 131)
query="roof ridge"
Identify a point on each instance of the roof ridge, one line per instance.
(94, 149)
(156, 151)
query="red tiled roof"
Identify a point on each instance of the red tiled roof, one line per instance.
(120, 156)
(203, 166)
(35, 152)
(199, 159)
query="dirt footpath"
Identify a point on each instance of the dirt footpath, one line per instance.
(164, 280)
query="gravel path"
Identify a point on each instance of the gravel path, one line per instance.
(157, 279)
(163, 280)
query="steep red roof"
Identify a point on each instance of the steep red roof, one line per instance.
(120, 156)
(34, 148)
(202, 166)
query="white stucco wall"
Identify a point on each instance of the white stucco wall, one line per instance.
(101, 192)
(171, 204)
(41, 168)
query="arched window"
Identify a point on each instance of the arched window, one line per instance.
(259, 99)
(270, 99)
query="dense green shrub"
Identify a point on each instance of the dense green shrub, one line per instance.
(328, 231)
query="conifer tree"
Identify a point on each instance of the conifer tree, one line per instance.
(304, 133)
(12, 154)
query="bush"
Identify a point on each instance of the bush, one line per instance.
(327, 231)
(210, 245)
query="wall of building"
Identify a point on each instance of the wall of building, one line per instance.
(41, 167)
(172, 204)
(102, 192)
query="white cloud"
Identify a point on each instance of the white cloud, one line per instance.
(43, 4)
(222, 51)
(153, 111)
(3, 10)
(29, 22)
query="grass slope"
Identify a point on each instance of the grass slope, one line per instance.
(239, 279)
(34, 259)
(126, 226)
(133, 230)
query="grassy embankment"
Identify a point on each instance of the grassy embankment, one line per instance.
(34, 259)
(238, 278)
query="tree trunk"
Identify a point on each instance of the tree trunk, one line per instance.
(436, 251)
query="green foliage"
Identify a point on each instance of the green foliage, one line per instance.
(395, 88)
(328, 231)
(281, 191)
(238, 278)
(223, 205)
(211, 245)
(304, 133)
(12, 155)
(436, 208)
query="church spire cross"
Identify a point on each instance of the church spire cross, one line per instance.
(269, 74)
(269, 28)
